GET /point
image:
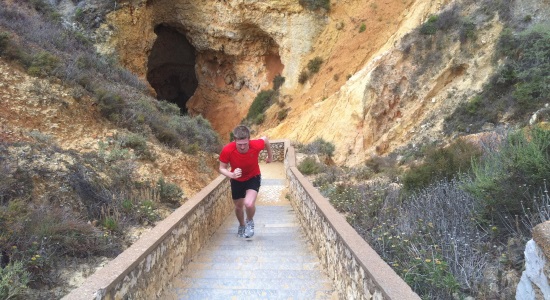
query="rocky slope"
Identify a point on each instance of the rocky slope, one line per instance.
(244, 46)
(241, 46)
(377, 90)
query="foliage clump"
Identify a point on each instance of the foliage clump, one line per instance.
(505, 179)
(441, 163)
(256, 112)
(518, 88)
(315, 4)
(440, 229)
(310, 166)
(318, 146)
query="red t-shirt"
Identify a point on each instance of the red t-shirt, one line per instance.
(248, 162)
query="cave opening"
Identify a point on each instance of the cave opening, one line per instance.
(171, 67)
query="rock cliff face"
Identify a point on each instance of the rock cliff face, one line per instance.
(373, 94)
(213, 57)
(238, 47)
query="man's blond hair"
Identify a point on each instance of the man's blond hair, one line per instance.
(241, 132)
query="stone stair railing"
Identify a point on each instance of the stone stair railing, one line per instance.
(357, 270)
(142, 271)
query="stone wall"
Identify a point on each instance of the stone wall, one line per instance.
(141, 271)
(277, 151)
(357, 270)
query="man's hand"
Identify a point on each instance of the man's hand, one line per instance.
(269, 157)
(238, 173)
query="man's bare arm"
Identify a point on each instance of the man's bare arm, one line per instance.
(224, 169)
(268, 149)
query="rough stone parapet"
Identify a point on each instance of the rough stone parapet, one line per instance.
(142, 270)
(356, 269)
(277, 151)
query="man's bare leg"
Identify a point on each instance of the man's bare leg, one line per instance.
(250, 203)
(239, 210)
(250, 206)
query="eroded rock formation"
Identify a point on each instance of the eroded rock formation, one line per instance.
(236, 48)
(370, 97)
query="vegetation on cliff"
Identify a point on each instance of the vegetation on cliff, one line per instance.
(63, 207)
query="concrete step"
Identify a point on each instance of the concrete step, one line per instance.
(255, 274)
(276, 263)
(251, 283)
(252, 294)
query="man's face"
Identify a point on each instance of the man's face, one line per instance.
(242, 145)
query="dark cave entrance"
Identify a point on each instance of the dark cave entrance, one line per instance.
(171, 67)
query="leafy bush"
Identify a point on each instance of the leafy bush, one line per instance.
(262, 101)
(169, 192)
(314, 65)
(13, 280)
(110, 104)
(138, 143)
(363, 27)
(303, 77)
(429, 27)
(509, 173)
(4, 40)
(281, 115)
(278, 82)
(14, 183)
(318, 146)
(43, 64)
(441, 163)
(467, 31)
(310, 166)
(315, 4)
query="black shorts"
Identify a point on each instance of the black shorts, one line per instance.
(238, 188)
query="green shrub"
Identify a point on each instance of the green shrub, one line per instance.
(43, 64)
(304, 76)
(506, 175)
(13, 280)
(310, 166)
(472, 107)
(467, 31)
(169, 192)
(363, 27)
(110, 223)
(278, 82)
(441, 163)
(318, 146)
(282, 114)
(429, 27)
(110, 105)
(139, 143)
(262, 101)
(314, 65)
(315, 4)
(4, 41)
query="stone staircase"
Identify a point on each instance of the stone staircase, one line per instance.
(277, 263)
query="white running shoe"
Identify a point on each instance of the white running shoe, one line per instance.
(240, 232)
(249, 230)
